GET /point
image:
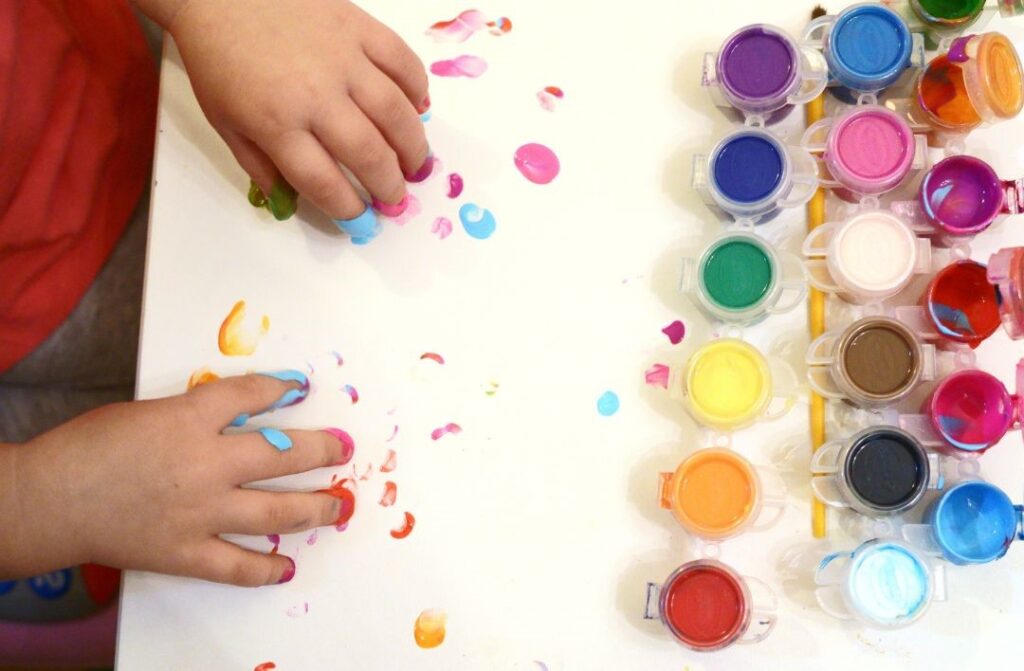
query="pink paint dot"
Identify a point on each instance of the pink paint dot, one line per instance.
(454, 185)
(442, 227)
(657, 375)
(675, 332)
(460, 66)
(537, 163)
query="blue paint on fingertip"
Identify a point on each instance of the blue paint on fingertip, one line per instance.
(279, 439)
(361, 229)
(240, 420)
(292, 396)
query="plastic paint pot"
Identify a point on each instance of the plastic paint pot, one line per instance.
(970, 411)
(973, 523)
(962, 196)
(883, 583)
(947, 16)
(878, 471)
(707, 606)
(715, 494)
(867, 46)
(739, 278)
(750, 175)
(759, 69)
(1006, 273)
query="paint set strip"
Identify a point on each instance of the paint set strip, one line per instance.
(890, 103)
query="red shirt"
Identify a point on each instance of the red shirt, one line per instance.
(78, 92)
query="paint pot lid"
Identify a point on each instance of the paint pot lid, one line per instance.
(758, 68)
(870, 149)
(1006, 273)
(992, 74)
(705, 604)
(871, 46)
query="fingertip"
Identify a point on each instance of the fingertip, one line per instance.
(287, 571)
(348, 446)
(392, 209)
(362, 228)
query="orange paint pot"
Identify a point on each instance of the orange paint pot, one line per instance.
(715, 493)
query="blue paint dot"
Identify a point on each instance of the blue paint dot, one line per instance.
(478, 221)
(278, 439)
(608, 404)
(425, 117)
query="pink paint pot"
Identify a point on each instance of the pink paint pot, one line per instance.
(866, 151)
(963, 195)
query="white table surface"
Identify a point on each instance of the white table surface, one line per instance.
(537, 526)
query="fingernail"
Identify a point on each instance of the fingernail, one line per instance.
(256, 196)
(423, 172)
(348, 446)
(292, 396)
(424, 106)
(283, 200)
(361, 229)
(347, 500)
(391, 210)
(279, 439)
(289, 572)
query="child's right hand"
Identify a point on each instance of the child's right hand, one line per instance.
(151, 485)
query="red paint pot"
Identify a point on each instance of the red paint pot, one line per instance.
(962, 304)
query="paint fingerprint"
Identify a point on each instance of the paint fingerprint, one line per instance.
(309, 368)
(406, 527)
(342, 491)
(298, 610)
(348, 446)
(313, 536)
(499, 26)
(265, 666)
(412, 209)
(460, 66)
(608, 404)
(201, 376)
(675, 332)
(337, 357)
(477, 221)
(544, 667)
(454, 185)
(657, 375)
(367, 472)
(450, 427)
(465, 25)
(491, 387)
(238, 338)
(442, 227)
(390, 462)
(432, 357)
(352, 393)
(549, 96)
(394, 432)
(537, 163)
(429, 629)
(388, 496)
(275, 539)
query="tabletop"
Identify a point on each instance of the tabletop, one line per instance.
(474, 365)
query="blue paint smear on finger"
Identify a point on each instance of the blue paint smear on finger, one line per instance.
(277, 438)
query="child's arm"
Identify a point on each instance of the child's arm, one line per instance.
(297, 87)
(150, 485)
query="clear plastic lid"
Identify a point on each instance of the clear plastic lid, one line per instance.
(992, 74)
(1006, 273)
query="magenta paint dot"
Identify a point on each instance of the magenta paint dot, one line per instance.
(454, 185)
(460, 66)
(971, 409)
(675, 332)
(537, 163)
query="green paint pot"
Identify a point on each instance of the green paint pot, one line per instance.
(947, 15)
(740, 279)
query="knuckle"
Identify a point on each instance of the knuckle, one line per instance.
(371, 153)
(322, 188)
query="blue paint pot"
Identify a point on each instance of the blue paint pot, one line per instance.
(972, 523)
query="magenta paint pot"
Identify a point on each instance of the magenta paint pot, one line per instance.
(972, 410)
(963, 195)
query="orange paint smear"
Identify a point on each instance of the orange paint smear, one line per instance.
(235, 337)
(201, 376)
(387, 499)
(341, 490)
(265, 666)
(406, 528)
(390, 462)
(429, 630)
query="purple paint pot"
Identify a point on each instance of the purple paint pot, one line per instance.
(760, 70)
(963, 195)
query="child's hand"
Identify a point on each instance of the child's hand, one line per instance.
(295, 87)
(150, 485)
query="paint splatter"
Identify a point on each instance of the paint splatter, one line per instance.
(549, 96)
(236, 337)
(352, 393)
(463, 26)
(432, 357)
(337, 357)
(201, 376)
(537, 163)
(429, 630)
(275, 539)
(454, 185)
(425, 117)
(390, 462)
(312, 538)
(348, 446)
(675, 332)
(297, 610)
(450, 427)
(367, 472)
(406, 528)
(309, 368)
(499, 26)
(394, 432)
(341, 491)
(544, 667)
(265, 666)
(442, 227)
(608, 404)
(390, 493)
(657, 375)
(491, 387)
(478, 222)
(460, 66)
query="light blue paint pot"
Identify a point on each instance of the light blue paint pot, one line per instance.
(972, 523)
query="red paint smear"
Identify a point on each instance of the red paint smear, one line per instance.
(265, 666)
(433, 357)
(341, 491)
(337, 357)
(455, 185)
(406, 528)
(657, 375)
(555, 91)
(276, 540)
(450, 427)
(390, 462)
(387, 498)
(352, 393)
(675, 332)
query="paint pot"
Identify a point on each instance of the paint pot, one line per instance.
(883, 583)
(761, 72)
(868, 257)
(878, 471)
(1006, 273)
(875, 362)
(973, 523)
(751, 175)
(727, 385)
(944, 17)
(716, 494)
(739, 278)
(707, 606)
(979, 80)
(867, 150)
(867, 46)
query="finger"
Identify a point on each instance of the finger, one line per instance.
(221, 561)
(253, 459)
(232, 400)
(253, 160)
(315, 174)
(392, 55)
(390, 111)
(356, 143)
(259, 513)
